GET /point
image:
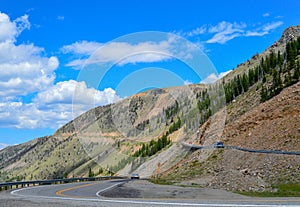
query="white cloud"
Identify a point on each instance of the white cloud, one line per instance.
(255, 33)
(55, 106)
(131, 53)
(81, 48)
(22, 23)
(225, 31)
(192, 33)
(264, 30)
(123, 53)
(213, 77)
(271, 26)
(266, 14)
(11, 29)
(24, 70)
(68, 99)
(120, 52)
(187, 82)
(61, 18)
(64, 92)
(3, 145)
(227, 27)
(8, 29)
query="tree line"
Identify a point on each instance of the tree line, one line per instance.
(275, 71)
(154, 146)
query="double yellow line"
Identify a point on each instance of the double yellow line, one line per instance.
(61, 192)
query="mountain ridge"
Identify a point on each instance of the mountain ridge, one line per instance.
(111, 139)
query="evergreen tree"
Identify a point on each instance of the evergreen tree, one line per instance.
(91, 173)
(279, 58)
(297, 72)
(245, 82)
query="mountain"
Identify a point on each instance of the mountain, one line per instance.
(255, 106)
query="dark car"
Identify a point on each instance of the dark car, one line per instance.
(219, 145)
(135, 176)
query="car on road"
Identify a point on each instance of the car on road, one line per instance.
(219, 145)
(135, 176)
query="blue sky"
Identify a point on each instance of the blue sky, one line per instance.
(46, 46)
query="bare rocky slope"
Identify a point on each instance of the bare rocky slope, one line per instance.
(271, 125)
(143, 133)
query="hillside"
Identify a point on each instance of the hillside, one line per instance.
(255, 106)
(103, 139)
(272, 125)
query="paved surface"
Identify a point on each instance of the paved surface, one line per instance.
(92, 194)
(196, 147)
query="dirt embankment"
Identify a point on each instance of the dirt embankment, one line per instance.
(274, 124)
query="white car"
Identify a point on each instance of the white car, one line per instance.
(135, 176)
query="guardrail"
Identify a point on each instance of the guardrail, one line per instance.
(196, 147)
(21, 184)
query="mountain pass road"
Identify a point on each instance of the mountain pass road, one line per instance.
(92, 194)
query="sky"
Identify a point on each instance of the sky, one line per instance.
(61, 58)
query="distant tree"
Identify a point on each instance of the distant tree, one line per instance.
(245, 82)
(65, 175)
(297, 72)
(100, 171)
(91, 173)
(263, 94)
(279, 58)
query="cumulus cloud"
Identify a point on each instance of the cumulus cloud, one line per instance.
(55, 106)
(11, 29)
(23, 69)
(68, 99)
(214, 77)
(29, 96)
(73, 92)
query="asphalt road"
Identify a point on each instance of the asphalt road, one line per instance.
(89, 194)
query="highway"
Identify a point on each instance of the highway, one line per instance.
(197, 147)
(89, 194)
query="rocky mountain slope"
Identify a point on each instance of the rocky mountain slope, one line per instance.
(272, 125)
(255, 106)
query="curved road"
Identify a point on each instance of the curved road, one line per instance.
(89, 194)
(197, 147)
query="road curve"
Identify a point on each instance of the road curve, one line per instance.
(89, 194)
(197, 147)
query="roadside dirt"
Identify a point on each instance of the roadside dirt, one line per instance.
(274, 124)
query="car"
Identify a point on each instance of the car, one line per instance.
(135, 176)
(219, 145)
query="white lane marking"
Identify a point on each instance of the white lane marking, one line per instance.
(195, 204)
(27, 188)
(151, 202)
(105, 189)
